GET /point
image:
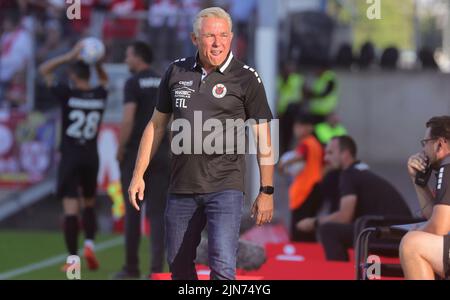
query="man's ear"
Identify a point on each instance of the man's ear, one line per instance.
(194, 39)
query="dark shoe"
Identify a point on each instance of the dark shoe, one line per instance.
(125, 274)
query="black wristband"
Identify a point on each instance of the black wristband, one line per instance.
(268, 190)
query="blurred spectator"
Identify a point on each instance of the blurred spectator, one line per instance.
(322, 95)
(243, 14)
(344, 57)
(304, 192)
(15, 49)
(329, 129)
(80, 27)
(366, 56)
(16, 92)
(54, 44)
(426, 57)
(121, 27)
(389, 59)
(162, 18)
(290, 85)
(189, 9)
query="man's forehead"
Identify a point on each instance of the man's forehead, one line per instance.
(331, 145)
(213, 23)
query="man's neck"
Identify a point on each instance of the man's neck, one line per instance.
(443, 157)
(347, 164)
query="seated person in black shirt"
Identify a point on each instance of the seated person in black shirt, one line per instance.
(426, 252)
(362, 193)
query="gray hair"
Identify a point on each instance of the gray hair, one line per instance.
(215, 12)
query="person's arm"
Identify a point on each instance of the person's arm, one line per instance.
(439, 223)
(46, 69)
(126, 127)
(262, 208)
(346, 211)
(102, 76)
(417, 162)
(150, 141)
(344, 215)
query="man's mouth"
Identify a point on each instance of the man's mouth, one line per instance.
(216, 52)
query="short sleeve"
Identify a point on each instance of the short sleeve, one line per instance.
(443, 186)
(256, 105)
(347, 184)
(164, 104)
(130, 91)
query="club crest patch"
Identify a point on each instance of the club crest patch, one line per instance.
(219, 91)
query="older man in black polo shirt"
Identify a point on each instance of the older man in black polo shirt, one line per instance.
(207, 187)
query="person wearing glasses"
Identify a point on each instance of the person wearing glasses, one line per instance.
(425, 253)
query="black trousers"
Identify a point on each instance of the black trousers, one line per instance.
(336, 239)
(308, 209)
(155, 196)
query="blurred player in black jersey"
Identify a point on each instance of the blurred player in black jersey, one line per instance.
(82, 112)
(140, 98)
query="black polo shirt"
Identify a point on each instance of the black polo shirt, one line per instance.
(443, 183)
(375, 195)
(142, 89)
(234, 91)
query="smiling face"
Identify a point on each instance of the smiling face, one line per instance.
(213, 41)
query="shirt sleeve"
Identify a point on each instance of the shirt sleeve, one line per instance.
(164, 104)
(256, 105)
(347, 184)
(130, 91)
(443, 186)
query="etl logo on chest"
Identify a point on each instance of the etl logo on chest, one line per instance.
(219, 91)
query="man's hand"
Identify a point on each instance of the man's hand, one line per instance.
(137, 186)
(262, 209)
(306, 225)
(417, 162)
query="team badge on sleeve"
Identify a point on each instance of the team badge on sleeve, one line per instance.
(219, 91)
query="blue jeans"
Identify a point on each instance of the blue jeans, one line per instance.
(186, 217)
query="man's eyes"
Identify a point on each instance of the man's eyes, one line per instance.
(223, 35)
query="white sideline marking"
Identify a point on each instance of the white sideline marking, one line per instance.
(56, 259)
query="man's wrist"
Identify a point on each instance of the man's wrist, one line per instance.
(267, 189)
(316, 223)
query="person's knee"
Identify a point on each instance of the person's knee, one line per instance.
(410, 244)
(70, 206)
